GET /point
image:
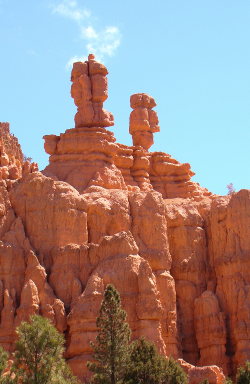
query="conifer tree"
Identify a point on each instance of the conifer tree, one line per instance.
(228, 380)
(243, 374)
(147, 366)
(111, 345)
(174, 374)
(38, 357)
(3, 364)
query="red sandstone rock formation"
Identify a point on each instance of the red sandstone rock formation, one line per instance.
(196, 375)
(12, 162)
(143, 120)
(102, 212)
(89, 90)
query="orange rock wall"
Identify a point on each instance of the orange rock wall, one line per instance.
(179, 265)
(102, 212)
(89, 156)
(12, 161)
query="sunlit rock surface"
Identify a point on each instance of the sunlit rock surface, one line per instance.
(103, 212)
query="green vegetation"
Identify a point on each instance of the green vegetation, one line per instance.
(38, 357)
(147, 366)
(3, 364)
(3, 360)
(39, 351)
(243, 374)
(174, 373)
(117, 362)
(228, 381)
(111, 346)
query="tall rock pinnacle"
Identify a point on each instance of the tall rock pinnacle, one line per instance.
(143, 120)
(89, 90)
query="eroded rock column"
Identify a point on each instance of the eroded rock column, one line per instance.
(143, 120)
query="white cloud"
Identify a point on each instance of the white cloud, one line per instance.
(112, 30)
(102, 42)
(89, 33)
(70, 9)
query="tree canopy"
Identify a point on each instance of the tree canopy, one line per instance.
(147, 366)
(117, 362)
(243, 374)
(111, 345)
(38, 357)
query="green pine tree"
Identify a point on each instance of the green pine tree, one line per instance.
(147, 366)
(3, 364)
(174, 373)
(111, 345)
(228, 381)
(243, 374)
(38, 357)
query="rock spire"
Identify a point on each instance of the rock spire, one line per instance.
(89, 90)
(143, 120)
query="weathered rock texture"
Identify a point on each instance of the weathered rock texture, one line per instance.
(143, 120)
(102, 212)
(89, 90)
(12, 161)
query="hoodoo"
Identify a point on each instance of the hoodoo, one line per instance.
(88, 155)
(103, 212)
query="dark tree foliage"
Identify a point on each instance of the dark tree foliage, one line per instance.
(174, 374)
(243, 374)
(111, 345)
(228, 381)
(3, 364)
(3, 360)
(38, 357)
(147, 366)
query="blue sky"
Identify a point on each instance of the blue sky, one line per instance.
(192, 56)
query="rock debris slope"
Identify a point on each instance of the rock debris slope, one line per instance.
(102, 212)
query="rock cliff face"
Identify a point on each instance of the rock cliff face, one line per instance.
(102, 212)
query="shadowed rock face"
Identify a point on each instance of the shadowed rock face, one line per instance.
(102, 212)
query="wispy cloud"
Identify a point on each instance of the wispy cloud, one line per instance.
(70, 9)
(103, 42)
